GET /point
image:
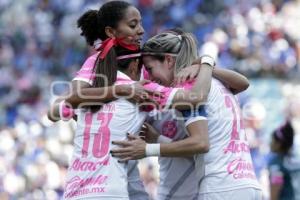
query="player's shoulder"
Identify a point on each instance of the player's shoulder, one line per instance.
(215, 83)
(90, 61)
(216, 87)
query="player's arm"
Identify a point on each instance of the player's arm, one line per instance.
(183, 99)
(197, 141)
(81, 81)
(92, 96)
(136, 148)
(83, 94)
(234, 81)
(53, 112)
(60, 109)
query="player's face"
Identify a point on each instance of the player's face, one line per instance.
(161, 72)
(130, 27)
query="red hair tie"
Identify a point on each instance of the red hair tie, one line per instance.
(110, 42)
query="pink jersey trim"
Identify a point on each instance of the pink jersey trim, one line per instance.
(145, 74)
(86, 73)
(167, 92)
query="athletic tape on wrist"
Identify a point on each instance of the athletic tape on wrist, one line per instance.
(152, 149)
(206, 59)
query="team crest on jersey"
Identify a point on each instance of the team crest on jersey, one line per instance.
(169, 129)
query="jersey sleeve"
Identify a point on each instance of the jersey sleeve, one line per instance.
(196, 114)
(193, 115)
(86, 73)
(167, 94)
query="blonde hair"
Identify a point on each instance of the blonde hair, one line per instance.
(182, 46)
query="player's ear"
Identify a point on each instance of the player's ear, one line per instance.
(110, 32)
(170, 60)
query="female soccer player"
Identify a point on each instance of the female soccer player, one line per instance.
(228, 171)
(114, 19)
(280, 178)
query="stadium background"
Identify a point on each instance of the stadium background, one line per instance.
(40, 44)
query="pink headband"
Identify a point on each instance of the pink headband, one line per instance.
(129, 56)
(158, 54)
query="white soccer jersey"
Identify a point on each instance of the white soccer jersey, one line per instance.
(228, 164)
(177, 175)
(93, 172)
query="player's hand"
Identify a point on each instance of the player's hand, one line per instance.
(149, 133)
(186, 74)
(132, 149)
(140, 95)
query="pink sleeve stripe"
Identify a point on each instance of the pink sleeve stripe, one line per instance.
(86, 70)
(88, 65)
(166, 93)
(93, 58)
(151, 86)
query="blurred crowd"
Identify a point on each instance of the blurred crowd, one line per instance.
(40, 44)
